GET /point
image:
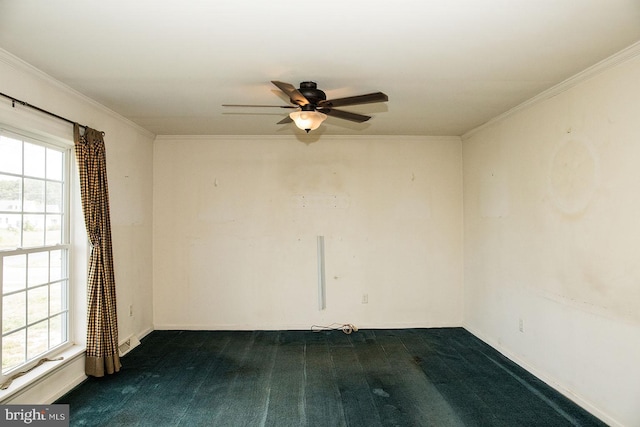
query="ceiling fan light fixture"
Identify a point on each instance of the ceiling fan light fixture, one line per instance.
(308, 120)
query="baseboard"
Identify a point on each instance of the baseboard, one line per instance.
(296, 327)
(145, 332)
(551, 381)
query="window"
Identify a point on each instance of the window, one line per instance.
(34, 249)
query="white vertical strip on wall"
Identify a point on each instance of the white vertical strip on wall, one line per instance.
(322, 295)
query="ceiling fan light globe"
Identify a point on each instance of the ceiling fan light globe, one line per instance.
(308, 120)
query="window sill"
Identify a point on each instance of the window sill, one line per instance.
(40, 373)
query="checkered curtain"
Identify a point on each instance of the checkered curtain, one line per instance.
(102, 330)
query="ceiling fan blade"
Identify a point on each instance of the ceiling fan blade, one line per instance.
(353, 100)
(293, 93)
(261, 106)
(285, 121)
(359, 118)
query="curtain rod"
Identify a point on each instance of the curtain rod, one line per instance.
(26, 104)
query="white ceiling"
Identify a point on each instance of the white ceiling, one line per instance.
(447, 65)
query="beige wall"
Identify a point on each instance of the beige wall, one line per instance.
(552, 231)
(129, 167)
(236, 222)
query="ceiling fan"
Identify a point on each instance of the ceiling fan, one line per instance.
(313, 107)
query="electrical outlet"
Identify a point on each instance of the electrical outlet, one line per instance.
(521, 325)
(365, 298)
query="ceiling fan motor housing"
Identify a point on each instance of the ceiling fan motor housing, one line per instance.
(314, 95)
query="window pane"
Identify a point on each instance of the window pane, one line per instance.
(14, 273)
(10, 201)
(54, 229)
(63, 295)
(57, 330)
(56, 298)
(37, 339)
(54, 197)
(38, 300)
(55, 265)
(14, 309)
(34, 158)
(10, 226)
(14, 348)
(38, 268)
(10, 193)
(11, 159)
(34, 195)
(54, 164)
(33, 231)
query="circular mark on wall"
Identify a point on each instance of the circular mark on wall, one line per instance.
(573, 176)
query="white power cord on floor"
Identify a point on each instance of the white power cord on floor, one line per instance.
(347, 328)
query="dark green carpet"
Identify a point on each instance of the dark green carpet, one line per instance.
(407, 377)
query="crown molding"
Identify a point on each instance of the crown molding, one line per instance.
(24, 67)
(613, 61)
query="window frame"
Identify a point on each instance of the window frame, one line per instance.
(66, 245)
